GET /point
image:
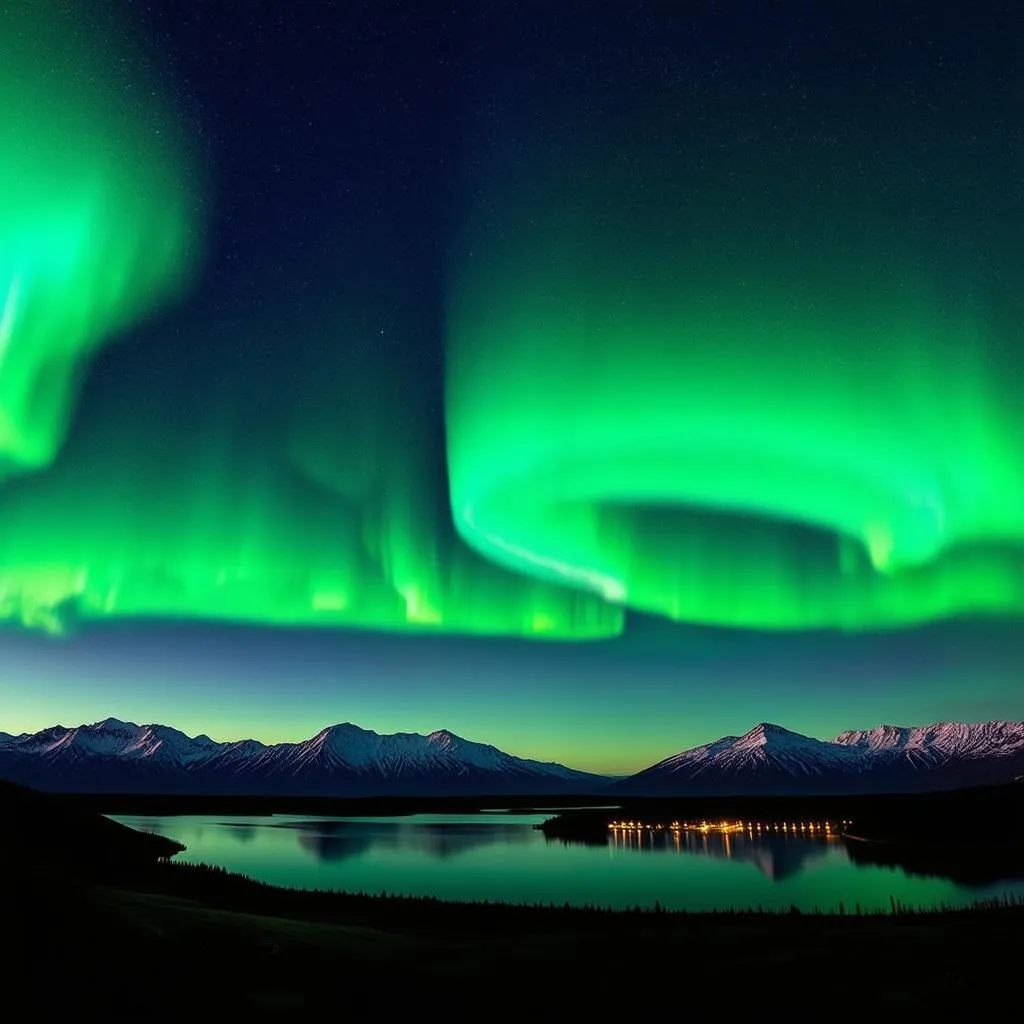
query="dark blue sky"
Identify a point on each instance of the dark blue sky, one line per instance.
(323, 131)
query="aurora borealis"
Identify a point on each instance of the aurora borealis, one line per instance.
(318, 507)
(96, 221)
(666, 342)
(808, 421)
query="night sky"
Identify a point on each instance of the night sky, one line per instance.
(592, 380)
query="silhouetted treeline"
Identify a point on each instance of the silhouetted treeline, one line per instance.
(985, 862)
(965, 816)
(892, 816)
(214, 886)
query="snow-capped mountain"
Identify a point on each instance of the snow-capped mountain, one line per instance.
(156, 744)
(348, 750)
(770, 759)
(342, 760)
(765, 751)
(345, 760)
(930, 745)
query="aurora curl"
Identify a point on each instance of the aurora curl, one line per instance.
(725, 378)
(691, 356)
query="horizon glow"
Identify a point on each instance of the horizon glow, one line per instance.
(610, 708)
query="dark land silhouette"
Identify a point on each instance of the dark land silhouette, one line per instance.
(98, 911)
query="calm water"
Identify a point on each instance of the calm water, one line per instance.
(502, 857)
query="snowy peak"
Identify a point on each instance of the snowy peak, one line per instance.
(344, 759)
(772, 759)
(112, 739)
(770, 729)
(404, 754)
(882, 736)
(342, 729)
(766, 734)
(444, 739)
(345, 740)
(112, 725)
(341, 759)
(763, 742)
(949, 739)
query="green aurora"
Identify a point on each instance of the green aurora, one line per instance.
(97, 213)
(694, 367)
(312, 505)
(318, 504)
(712, 367)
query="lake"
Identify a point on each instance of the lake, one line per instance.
(500, 856)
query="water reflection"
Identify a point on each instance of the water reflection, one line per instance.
(971, 865)
(507, 857)
(782, 850)
(341, 840)
(243, 831)
(778, 849)
(776, 856)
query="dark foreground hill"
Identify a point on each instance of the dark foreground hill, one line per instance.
(146, 937)
(41, 829)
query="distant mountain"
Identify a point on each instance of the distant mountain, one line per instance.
(932, 746)
(772, 760)
(342, 760)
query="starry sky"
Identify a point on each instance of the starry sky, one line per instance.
(590, 380)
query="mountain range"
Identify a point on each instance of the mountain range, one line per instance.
(341, 760)
(772, 760)
(345, 760)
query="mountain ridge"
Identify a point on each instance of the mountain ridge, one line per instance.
(772, 760)
(346, 760)
(340, 760)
